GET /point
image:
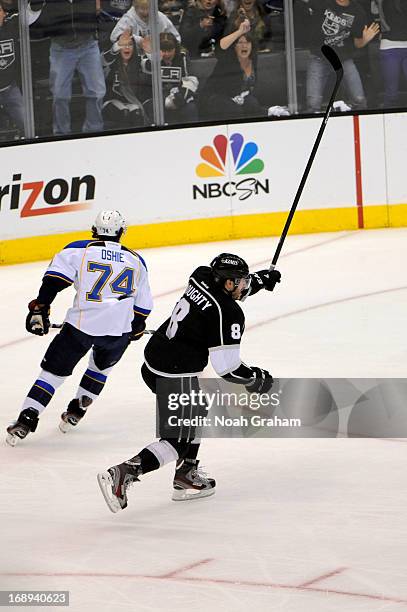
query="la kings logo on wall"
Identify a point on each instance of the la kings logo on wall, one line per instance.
(7, 54)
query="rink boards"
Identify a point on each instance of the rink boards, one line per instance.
(203, 184)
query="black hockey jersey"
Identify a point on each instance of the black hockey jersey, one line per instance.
(9, 52)
(206, 320)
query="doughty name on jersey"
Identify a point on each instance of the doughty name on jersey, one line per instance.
(196, 296)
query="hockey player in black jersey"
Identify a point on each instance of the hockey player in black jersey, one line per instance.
(207, 322)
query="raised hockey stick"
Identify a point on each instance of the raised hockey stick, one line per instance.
(60, 325)
(335, 62)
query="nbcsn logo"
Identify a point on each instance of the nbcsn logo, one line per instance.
(241, 157)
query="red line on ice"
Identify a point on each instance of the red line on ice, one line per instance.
(225, 581)
(267, 261)
(323, 305)
(322, 577)
(185, 568)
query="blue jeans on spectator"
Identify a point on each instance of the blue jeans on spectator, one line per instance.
(64, 61)
(12, 100)
(318, 73)
(393, 61)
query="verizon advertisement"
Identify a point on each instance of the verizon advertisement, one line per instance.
(207, 172)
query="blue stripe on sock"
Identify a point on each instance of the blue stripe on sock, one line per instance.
(44, 385)
(101, 377)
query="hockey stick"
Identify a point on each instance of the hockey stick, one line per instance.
(60, 325)
(335, 62)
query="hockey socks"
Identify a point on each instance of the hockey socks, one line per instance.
(42, 391)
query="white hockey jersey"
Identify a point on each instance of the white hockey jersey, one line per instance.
(111, 283)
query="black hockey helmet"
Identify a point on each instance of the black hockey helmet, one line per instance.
(228, 266)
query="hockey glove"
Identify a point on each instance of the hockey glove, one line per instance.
(265, 279)
(261, 382)
(137, 327)
(37, 321)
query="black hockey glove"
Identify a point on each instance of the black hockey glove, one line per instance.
(262, 381)
(37, 321)
(264, 279)
(138, 326)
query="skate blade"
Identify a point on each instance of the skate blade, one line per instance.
(11, 440)
(188, 494)
(64, 427)
(106, 483)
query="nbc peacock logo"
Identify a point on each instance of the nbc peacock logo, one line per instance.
(227, 156)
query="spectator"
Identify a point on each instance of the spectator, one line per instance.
(342, 24)
(259, 25)
(179, 87)
(72, 27)
(173, 9)
(11, 98)
(136, 19)
(202, 26)
(110, 13)
(10, 7)
(230, 91)
(122, 108)
(393, 47)
(114, 9)
(10, 94)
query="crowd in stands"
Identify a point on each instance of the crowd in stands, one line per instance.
(105, 47)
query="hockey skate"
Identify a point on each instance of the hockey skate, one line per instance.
(191, 482)
(74, 413)
(116, 480)
(27, 421)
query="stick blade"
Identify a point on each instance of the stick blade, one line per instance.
(332, 58)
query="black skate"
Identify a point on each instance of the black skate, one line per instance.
(74, 413)
(115, 482)
(27, 421)
(191, 482)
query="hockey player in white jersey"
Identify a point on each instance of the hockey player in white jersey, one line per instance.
(110, 307)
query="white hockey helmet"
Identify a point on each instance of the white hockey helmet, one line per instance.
(109, 223)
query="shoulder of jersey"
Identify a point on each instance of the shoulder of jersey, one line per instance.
(137, 255)
(202, 277)
(83, 244)
(203, 273)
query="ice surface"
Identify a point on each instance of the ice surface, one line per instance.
(295, 525)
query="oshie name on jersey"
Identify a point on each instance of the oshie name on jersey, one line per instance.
(112, 255)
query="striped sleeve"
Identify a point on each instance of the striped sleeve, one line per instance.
(143, 300)
(64, 265)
